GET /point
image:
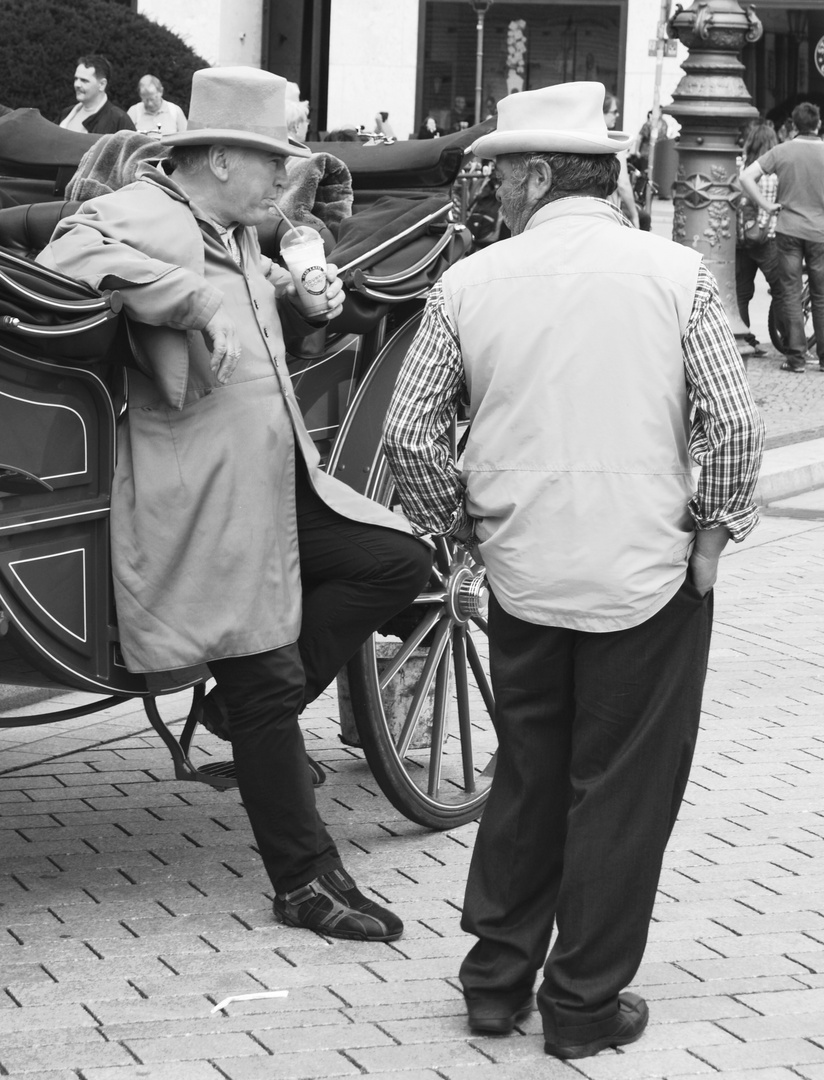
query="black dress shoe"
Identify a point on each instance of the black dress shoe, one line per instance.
(625, 1027)
(333, 905)
(495, 1014)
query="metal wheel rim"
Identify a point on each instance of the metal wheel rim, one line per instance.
(457, 648)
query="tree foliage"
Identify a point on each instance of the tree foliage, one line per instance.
(41, 40)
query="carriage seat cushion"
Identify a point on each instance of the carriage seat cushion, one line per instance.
(25, 230)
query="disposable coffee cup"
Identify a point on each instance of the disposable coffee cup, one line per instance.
(302, 250)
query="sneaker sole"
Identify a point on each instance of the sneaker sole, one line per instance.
(503, 1027)
(582, 1050)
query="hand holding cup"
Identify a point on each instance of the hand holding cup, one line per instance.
(303, 253)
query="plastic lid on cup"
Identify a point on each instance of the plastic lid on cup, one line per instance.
(299, 235)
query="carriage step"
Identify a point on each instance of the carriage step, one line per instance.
(217, 774)
(222, 776)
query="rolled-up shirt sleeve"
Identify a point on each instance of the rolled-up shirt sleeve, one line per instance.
(417, 430)
(727, 432)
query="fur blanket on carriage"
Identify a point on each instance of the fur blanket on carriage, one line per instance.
(318, 191)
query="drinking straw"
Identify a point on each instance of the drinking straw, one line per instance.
(286, 219)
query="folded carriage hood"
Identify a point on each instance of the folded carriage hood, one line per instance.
(424, 163)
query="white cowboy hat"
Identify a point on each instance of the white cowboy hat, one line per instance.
(568, 118)
(238, 106)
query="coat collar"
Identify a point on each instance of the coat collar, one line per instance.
(576, 206)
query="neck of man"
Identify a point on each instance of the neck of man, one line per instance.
(200, 190)
(96, 105)
(153, 108)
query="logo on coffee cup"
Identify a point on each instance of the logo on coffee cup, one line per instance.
(313, 279)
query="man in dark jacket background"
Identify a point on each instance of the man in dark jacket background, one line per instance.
(94, 112)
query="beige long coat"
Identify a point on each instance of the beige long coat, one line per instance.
(204, 538)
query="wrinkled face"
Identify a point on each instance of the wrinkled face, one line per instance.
(512, 194)
(255, 184)
(151, 97)
(87, 87)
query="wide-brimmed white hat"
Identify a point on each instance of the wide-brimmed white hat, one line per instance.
(568, 118)
(238, 106)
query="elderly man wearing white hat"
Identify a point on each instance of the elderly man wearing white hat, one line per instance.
(599, 366)
(230, 546)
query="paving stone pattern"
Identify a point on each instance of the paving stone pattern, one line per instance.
(132, 903)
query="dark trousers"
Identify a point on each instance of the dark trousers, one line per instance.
(596, 735)
(354, 577)
(748, 261)
(792, 253)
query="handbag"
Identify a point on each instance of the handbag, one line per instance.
(749, 233)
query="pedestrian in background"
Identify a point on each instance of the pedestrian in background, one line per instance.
(297, 113)
(93, 111)
(623, 196)
(153, 115)
(598, 365)
(383, 127)
(752, 256)
(799, 165)
(429, 129)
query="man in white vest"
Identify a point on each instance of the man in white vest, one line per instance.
(598, 366)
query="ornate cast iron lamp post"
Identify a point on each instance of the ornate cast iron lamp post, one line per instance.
(480, 7)
(712, 104)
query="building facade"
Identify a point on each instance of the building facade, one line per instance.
(414, 58)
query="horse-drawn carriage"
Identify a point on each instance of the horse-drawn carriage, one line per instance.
(417, 696)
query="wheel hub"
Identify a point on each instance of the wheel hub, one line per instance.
(467, 594)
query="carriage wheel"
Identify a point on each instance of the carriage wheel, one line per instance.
(774, 324)
(423, 704)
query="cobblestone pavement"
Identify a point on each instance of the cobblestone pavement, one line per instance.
(132, 903)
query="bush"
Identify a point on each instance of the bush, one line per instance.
(41, 40)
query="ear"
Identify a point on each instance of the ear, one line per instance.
(103, 83)
(219, 162)
(540, 178)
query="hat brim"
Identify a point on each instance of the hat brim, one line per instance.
(230, 137)
(541, 141)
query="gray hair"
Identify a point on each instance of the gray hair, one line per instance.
(158, 85)
(190, 159)
(572, 174)
(297, 112)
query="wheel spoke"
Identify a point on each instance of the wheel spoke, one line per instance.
(438, 725)
(464, 719)
(410, 712)
(423, 687)
(409, 646)
(443, 553)
(480, 675)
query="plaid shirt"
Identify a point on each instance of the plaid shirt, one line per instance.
(768, 185)
(769, 189)
(726, 436)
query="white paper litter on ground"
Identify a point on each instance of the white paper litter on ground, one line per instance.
(249, 997)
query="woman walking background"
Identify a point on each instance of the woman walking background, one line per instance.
(749, 257)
